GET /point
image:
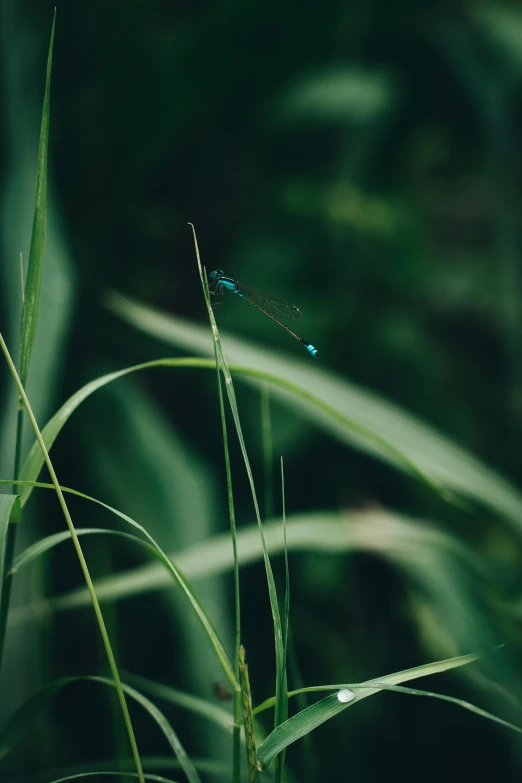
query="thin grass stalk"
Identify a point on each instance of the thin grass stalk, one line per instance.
(236, 736)
(266, 430)
(276, 616)
(83, 562)
(282, 713)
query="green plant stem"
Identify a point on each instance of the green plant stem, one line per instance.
(83, 562)
(11, 537)
(19, 438)
(236, 735)
(266, 429)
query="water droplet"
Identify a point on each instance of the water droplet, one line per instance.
(346, 695)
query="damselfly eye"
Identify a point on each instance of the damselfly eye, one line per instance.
(216, 274)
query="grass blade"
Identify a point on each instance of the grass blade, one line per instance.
(79, 553)
(79, 775)
(194, 704)
(317, 714)
(282, 707)
(404, 543)
(36, 254)
(10, 510)
(354, 415)
(274, 605)
(35, 460)
(42, 546)
(16, 727)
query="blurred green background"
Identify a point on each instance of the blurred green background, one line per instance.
(361, 160)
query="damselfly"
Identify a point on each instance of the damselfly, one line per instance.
(273, 308)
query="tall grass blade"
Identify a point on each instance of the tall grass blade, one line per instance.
(79, 553)
(33, 284)
(274, 605)
(282, 707)
(266, 430)
(236, 741)
(10, 510)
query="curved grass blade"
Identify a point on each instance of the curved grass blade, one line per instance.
(36, 254)
(352, 414)
(309, 719)
(205, 766)
(16, 727)
(34, 462)
(79, 775)
(404, 544)
(10, 510)
(315, 715)
(42, 546)
(195, 704)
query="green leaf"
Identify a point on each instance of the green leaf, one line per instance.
(272, 592)
(35, 460)
(16, 727)
(10, 509)
(404, 543)
(194, 704)
(351, 414)
(77, 776)
(309, 719)
(36, 254)
(153, 547)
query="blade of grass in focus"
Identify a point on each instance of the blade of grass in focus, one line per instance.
(272, 592)
(318, 713)
(236, 740)
(79, 553)
(33, 284)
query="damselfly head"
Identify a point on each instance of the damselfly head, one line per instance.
(217, 274)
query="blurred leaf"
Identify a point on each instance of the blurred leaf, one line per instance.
(120, 774)
(10, 510)
(195, 704)
(313, 716)
(337, 94)
(36, 254)
(352, 414)
(145, 467)
(17, 726)
(34, 462)
(502, 24)
(433, 563)
(45, 544)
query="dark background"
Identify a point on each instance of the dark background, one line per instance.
(361, 160)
